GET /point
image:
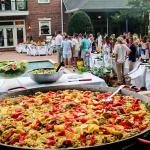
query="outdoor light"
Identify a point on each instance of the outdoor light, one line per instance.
(99, 17)
(29, 27)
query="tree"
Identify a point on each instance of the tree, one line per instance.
(138, 10)
(142, 7)
(80, 22)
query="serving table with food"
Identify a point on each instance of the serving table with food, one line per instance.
(48, 76)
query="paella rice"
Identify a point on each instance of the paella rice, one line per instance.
(70, 118)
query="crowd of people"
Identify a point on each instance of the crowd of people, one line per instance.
(78, 46)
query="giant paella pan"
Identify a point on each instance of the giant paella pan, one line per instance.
(71, 117)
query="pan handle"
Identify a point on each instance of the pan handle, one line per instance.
(147, 142)
(15, 88)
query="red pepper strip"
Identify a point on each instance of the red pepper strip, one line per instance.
(27, 124)
(135, 107)
(85, 101)
(83, 120)
(25, 105)
(19, 118)
(136, 101)
(68, 141)
(13, 141)
(92, 139)
(114, 115)
(49, 127)
(139, 117)
(32, 100)
(122, 101)
(50, 142)
(21, 138)
(47, 114)
(144, 141)
(18, 110)
(122, 111)
(75, 115)
(16, 115)
(44, 101)
(52, 137)
(54, 109)
(83, 139)
(11, 132)
(61, 133)
(69, 128)
(143, 127)
(35, 126)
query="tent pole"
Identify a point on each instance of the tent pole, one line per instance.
(107, 25)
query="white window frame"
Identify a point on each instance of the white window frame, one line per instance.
(14, 26)
(44, 19)
(40, 1)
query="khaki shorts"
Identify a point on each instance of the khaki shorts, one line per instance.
(69, 56)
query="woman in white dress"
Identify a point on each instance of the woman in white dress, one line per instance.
(106, 49)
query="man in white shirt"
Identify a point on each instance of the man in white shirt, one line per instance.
(75, 48)
(120, 51)
(99, 40)
(58, 41)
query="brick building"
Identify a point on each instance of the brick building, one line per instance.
(21, 19)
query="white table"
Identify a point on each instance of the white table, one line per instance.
(64, 80)
(34, 50)
(111, 62)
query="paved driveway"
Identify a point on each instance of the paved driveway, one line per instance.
(13, 55)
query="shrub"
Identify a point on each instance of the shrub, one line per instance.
(80, 22)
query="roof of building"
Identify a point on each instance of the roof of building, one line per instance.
(90, 5)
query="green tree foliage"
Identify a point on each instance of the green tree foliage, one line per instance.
(80, 22)
(142, 6)
(138, 10)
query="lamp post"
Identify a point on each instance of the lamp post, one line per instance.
(127, 25)
(107, 25)
(62, 17)
(149, 23)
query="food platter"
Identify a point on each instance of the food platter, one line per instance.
(86, 90)
(12, 69)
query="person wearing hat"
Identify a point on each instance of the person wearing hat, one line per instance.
(121, 51)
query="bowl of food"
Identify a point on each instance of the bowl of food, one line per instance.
(45, 75)
(12, 69)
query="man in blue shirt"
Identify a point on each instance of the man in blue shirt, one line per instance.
(85, 51)
(67, 51)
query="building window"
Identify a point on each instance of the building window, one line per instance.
(44, 27)
(43, 1)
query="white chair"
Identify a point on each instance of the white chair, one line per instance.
(42, 50)
(31, 50)
(50, 49)
(18, 48)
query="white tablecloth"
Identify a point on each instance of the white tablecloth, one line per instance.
(34, 50)
(147, 79)
(64, 80)
(140, 77)
(98, 63)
